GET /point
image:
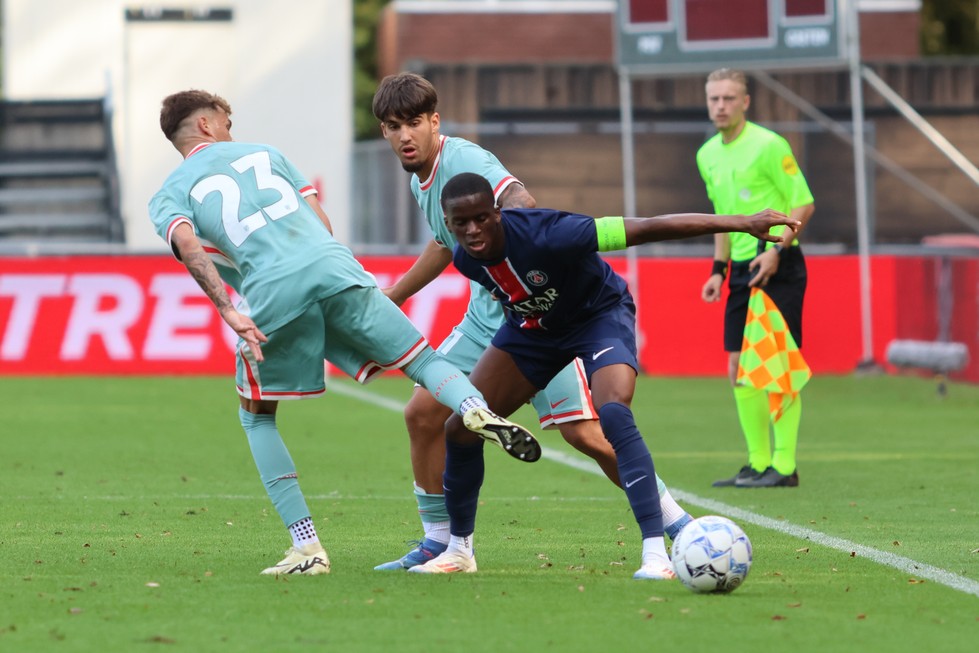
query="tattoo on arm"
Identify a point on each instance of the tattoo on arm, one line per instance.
(516, 197)
(206, 275)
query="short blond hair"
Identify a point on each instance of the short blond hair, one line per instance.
(732, 74)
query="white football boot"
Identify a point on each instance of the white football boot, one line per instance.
(308, 560)
(512, 438)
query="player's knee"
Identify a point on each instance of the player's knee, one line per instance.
(425, 419)
(585, 436)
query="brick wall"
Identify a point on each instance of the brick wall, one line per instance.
(508, 38)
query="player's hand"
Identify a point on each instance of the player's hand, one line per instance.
(765, 265)
(246, 329)
(759, 224)
(711, 292)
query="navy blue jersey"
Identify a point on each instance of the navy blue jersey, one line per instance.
(551, 276)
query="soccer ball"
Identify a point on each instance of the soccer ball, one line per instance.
(712, 554)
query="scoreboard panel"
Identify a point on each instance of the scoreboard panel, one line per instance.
(670, 36)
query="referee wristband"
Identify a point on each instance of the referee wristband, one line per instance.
(719, 267)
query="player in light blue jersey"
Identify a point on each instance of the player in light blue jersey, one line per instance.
(245, 210)
(405, 104)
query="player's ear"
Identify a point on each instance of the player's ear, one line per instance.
(205, 123)
(435, 121)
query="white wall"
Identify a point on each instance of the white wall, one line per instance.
(285, 67)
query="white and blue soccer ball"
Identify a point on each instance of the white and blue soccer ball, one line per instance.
(712, 554)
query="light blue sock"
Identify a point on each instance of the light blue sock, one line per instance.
(448, 385)
(431, 507)
(275, 466)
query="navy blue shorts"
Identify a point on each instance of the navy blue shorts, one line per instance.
(787, 288)
(606, 339)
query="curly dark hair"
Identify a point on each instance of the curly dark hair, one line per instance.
(177, 107)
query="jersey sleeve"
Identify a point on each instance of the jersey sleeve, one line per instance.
(291, 173)
(472, 158)
(166, 212)
(785, 174)
(572, 234)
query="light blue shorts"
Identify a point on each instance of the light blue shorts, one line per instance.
(565, 399)
(359, 330)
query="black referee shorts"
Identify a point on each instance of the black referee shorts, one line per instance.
(787, 288)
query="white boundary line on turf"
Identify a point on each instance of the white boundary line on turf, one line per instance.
(906, 565)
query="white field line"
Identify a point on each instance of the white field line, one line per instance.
(906, 565)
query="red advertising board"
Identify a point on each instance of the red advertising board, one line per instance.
(145, 315)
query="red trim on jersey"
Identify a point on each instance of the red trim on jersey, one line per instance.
(170, 228)
(306, 191)
(552, 418)
(173, 225)
(506, 181)
(371, 368)
(579, 368)
(425, 185)
(214, 250)
(254, 390)
(293, 394)
(197, 148)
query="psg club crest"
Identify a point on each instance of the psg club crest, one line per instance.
(536, 278)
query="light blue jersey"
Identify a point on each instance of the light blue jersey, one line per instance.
(457, 155)
(566, 398)
(246, 203)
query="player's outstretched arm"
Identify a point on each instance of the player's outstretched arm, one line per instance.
(200, 266)
(426, 268)
(687, 225)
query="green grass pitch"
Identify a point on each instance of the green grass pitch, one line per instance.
(133, 520)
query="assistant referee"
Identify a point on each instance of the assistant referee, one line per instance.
(747, 168)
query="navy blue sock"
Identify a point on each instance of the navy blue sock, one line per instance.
(463, 476)
(635, 467)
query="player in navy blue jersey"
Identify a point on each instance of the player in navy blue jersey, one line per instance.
(560, 300)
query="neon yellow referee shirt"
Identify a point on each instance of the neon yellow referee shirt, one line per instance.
(755, 171)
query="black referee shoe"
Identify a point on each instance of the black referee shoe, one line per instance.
(770, 478)
(743, 474)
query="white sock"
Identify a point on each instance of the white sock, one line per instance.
(437, 531)
(654, 550)
(464, 544)
(303, 533)
(471, 402)
(671, 509)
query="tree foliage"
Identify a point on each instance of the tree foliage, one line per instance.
(950, 27)
(366, 14)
